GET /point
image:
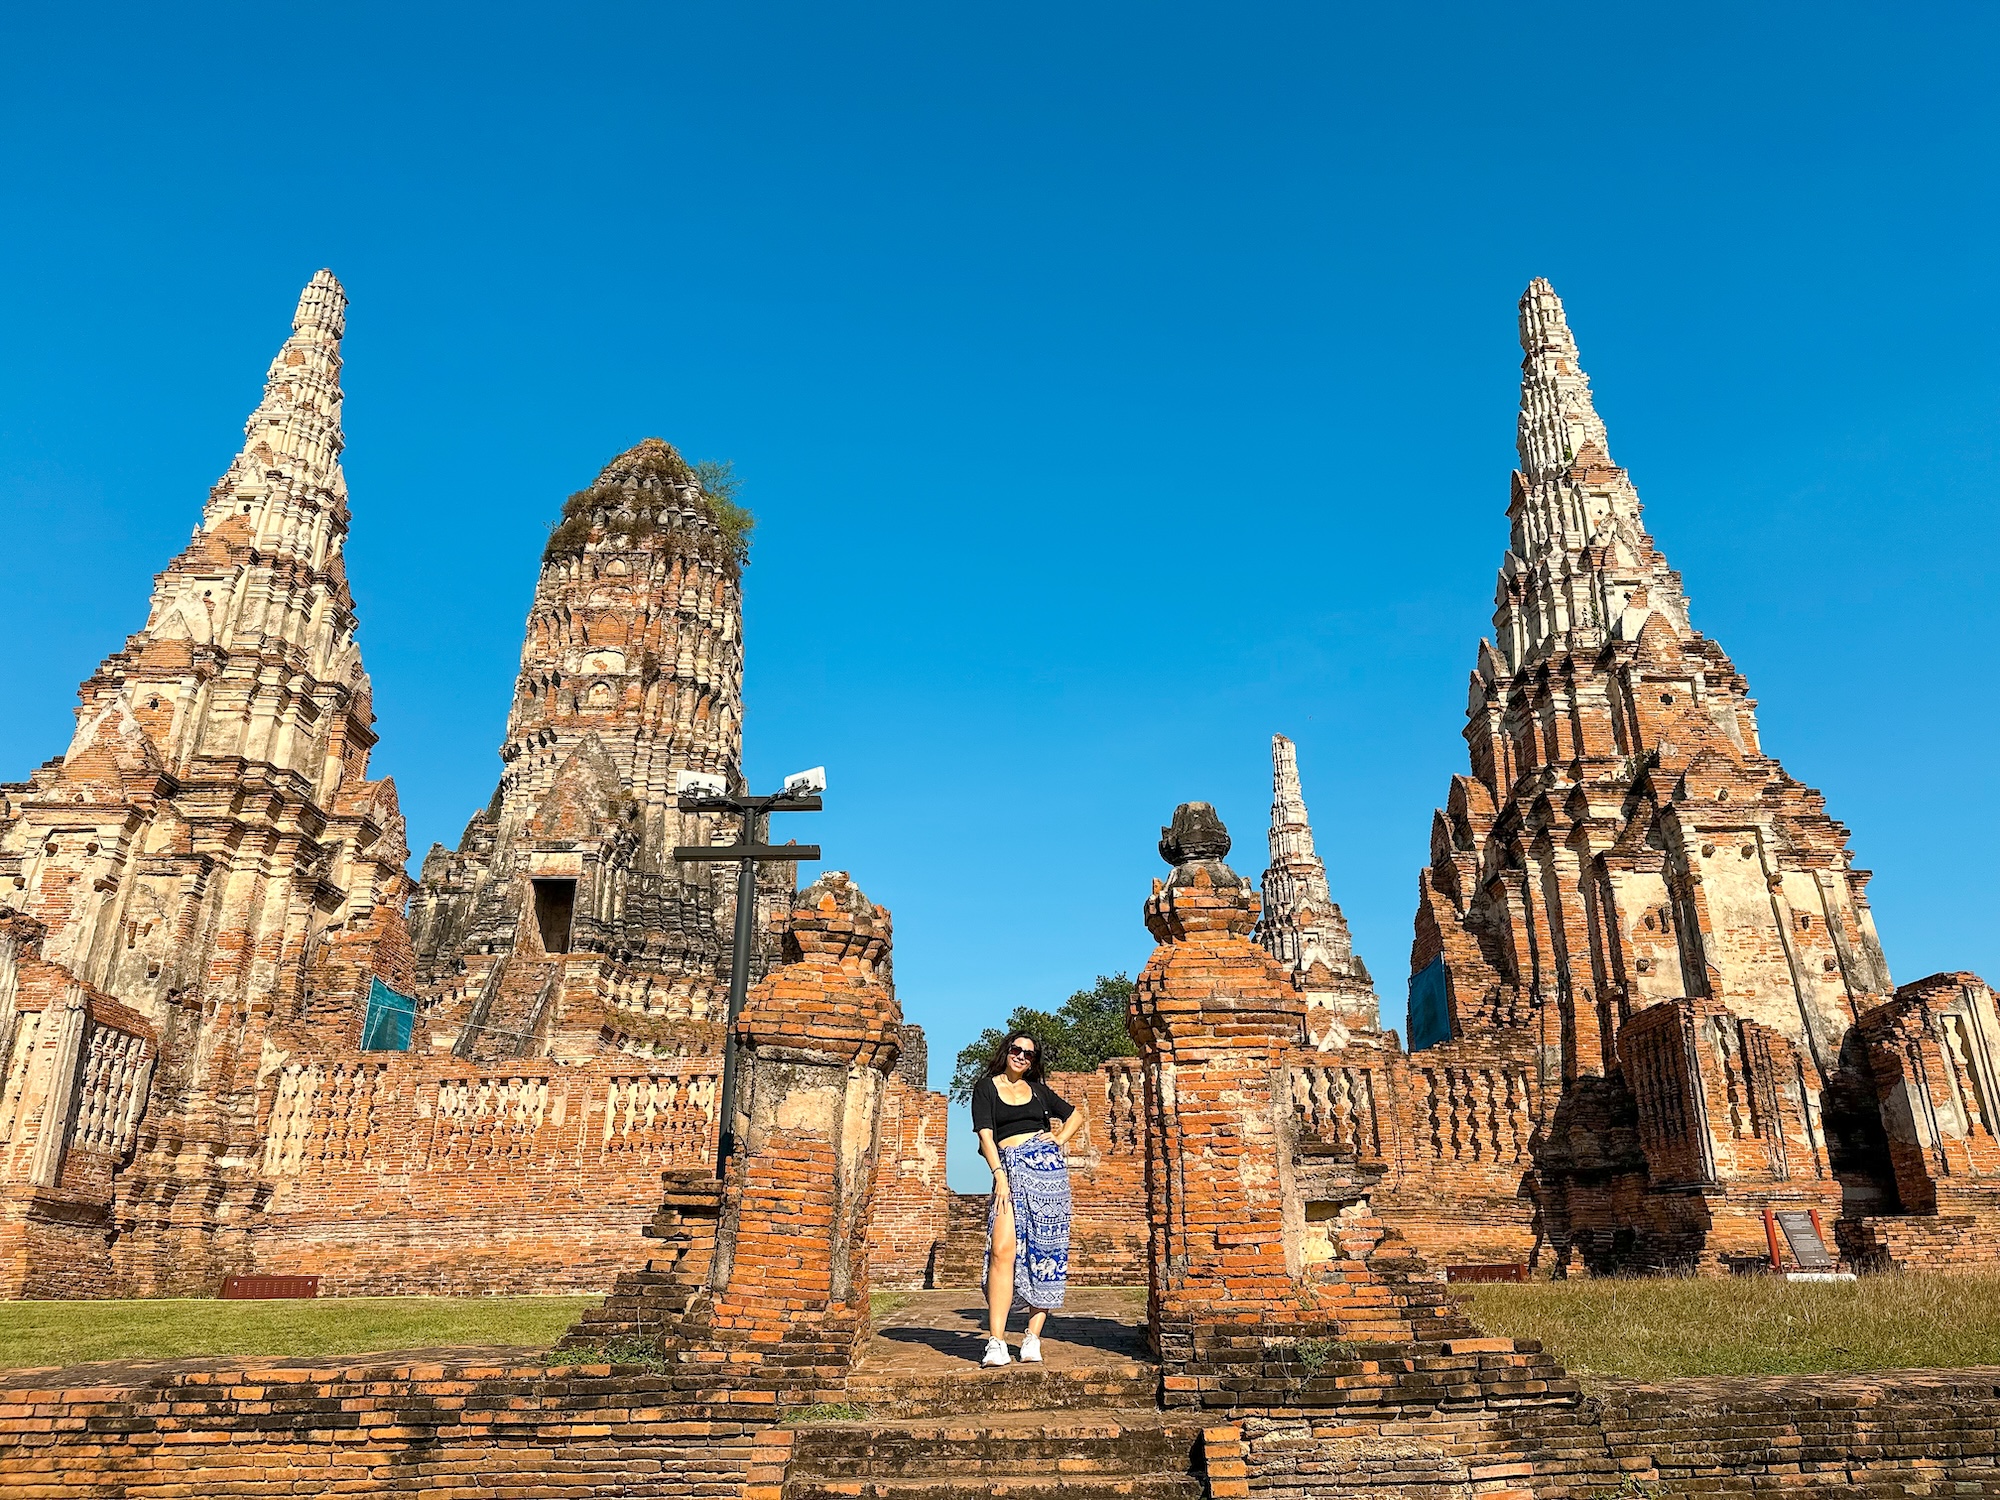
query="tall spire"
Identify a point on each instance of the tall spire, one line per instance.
(631, 674)
(1301, 924)
(1557, 421)
(1581, 568)
(247, 673)
(294, 434)
(262, 579)
(1291, 834)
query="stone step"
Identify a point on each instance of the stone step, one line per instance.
(1118, 1443)
(500, 1030)
(1014, 1388)
(1035, 1461)
(1029, 1455)
(642, 1304)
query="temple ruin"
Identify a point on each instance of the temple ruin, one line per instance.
(1639, 931)
(203, 917)
(1650, 1020)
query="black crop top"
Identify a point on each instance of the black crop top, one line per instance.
(991, 1112)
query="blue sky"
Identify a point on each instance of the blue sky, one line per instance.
(1114, 385)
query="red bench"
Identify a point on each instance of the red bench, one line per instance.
(1503, 1271)
(244, 1288)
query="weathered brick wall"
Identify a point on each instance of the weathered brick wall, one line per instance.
(461, 1428)
(394, 1173)
(75, 1066)
(1107, 1175)
(1956, 1241)
(907, 1217)
(1433, 1457)
(1712, 1099)
(471, 1428)
(1452, 1127)
(1905, 1432)
(1933, 1053)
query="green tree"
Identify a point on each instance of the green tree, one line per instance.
(1088, 1028)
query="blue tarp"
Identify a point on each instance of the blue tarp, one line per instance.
(390, 1019)
(1430, 1006)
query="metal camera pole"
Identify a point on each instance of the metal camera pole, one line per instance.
(747, 854)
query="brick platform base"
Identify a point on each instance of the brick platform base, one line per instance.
(455, 1426)
(478, 1425)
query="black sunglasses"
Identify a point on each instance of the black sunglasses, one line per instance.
(1021, 1052)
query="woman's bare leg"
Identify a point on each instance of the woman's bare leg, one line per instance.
(1036, 1321)
(1000, 1271)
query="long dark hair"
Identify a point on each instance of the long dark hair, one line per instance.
(997, 1064)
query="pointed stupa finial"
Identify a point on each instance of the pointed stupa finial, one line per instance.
(1291, 832)
(1558, 420)
(322, 307)
(295, 432)
(1580, 567)
(1300, 923)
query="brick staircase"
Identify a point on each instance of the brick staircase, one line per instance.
(646, 1304)
(1040, 1455)
(1111, 1384)
(510, 1010)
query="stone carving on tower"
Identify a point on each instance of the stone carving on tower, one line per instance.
(206, 868)
(1301, 925)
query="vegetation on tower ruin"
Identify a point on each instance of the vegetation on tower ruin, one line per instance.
(636, 516)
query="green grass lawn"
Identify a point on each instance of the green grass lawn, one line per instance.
(65, 1333)
(1659, 1327)
(1649, 1328)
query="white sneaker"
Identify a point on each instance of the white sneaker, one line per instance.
(996, 1352)
(1031, 1350)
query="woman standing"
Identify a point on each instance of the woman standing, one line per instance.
(1022, 1126)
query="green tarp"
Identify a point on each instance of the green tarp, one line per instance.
(390, 1019)
(1430, 1006)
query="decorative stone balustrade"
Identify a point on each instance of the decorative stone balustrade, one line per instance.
(1473, 1114)
(323, 1115)
(1337, 1103)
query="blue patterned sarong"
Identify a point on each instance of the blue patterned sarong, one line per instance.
(1038, 1182)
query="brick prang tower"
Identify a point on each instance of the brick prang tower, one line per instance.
(1622, 842)
(209, 850)
(561, 918)
(1302, 926)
